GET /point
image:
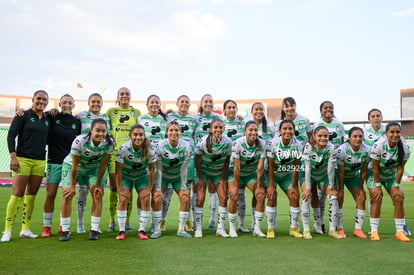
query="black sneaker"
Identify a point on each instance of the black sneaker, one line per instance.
(64, 236)
(93, 235)
(323, 229)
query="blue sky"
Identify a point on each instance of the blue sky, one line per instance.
(358, 54)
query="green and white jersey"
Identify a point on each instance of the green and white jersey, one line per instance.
(86, 119)
(188, 125)
(134, 166)
(270, 133)
(388, 157)
(249, 156)
(302, 128)
(351, 160)
(319, 163)
(155, 128)
(90, 155)
(121, 122)
(284, 156)
(172, 162)
(203, 125)
(371, 136)
(212, 164)
(234, 129)
(336, 130)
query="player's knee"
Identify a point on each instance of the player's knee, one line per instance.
(184, 197)
(294, 196)
(157, 198)
(260, 196)
(235, 198)
(398, 198)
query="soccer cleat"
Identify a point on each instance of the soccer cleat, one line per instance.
(152, 228)
(342, 233)
(243, 229)
(259, 233)
(212, 226)
(323, 229)
(183, 234)
(64, 236)
(270, 233)
(27, 234)
(81, 229)
(221, 233)
(111, 226)
(318, 229)
(407, 231)
(156, 235)
(46, 232)
(93, 235)
(121, 235)
(401, 237)
(6, 236)
(163, 227)
(128, 228)
(358, 233)
(198, 233)
(294, 233)
(142, 235)
(233, 234)
(188, 226)
(99, 230)
(374, 236)
(334, 234)
(307, 235)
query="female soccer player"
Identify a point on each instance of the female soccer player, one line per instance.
(389, 156)
(336, 137)
(352, 160)
(248, 154)
(320, 159)
(375, 129)
(204, 117)
(64, 128)
(95, 103)
(234, 129)
(284, 154)
(135, 168)
(121, 119)
(188, 123)
(154, 122)
(174, 154)
(266, 130)
(27, 162)
(86, 165)
(212, 162)
(303, 129)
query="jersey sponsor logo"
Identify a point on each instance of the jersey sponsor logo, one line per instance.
(123, 118)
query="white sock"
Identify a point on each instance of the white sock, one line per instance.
(232, 221)
(399, 224)
(166, 203)
(183, 216)
(47, 218)
(374, 223)
(213, 207)
(193, 204)
(253, 217)
(241, 206)
(271, 213)
(339, 222)
(306, 214)
(65, 223)
(122, 216)
(322, 201)
(81, 203)
(294, 216)
(143, 220)
(258, 220)
(222, 218)
(359, 218)
(317, 216)
(198, 217)
(333, 212)
(95, 223)
(156, 217)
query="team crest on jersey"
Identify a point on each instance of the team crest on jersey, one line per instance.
(181, 153)
(57, 121)
(239, 125)
(162, 123)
